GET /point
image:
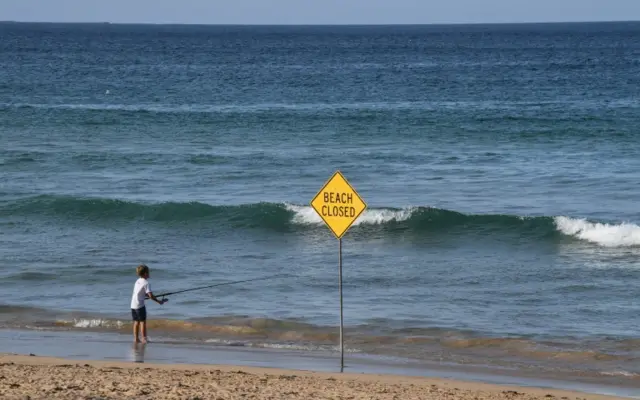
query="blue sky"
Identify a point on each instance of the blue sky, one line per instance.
(319, 11)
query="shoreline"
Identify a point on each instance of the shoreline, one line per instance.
(61, 378)
(54, 348)
(604, 360)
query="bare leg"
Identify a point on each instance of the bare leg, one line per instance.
(136, 329)
(144, 331)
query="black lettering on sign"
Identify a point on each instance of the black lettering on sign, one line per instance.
(342, 198)
(335, 207)
(338, 211)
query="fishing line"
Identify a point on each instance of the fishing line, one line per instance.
(220, 284)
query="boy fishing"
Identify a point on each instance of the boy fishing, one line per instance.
(141, 289)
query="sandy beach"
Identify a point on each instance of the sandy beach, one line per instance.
(33, 377)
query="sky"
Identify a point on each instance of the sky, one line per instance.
(318, 11)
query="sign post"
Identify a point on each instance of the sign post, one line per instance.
(339, 205)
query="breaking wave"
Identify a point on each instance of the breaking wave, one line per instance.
(608, 235)
(290, 217)
(366, 339)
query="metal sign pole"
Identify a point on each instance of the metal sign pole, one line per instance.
(339, 206)
(341, 315)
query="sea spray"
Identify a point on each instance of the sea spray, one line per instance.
(609, 235)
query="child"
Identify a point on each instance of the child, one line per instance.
(138, 311)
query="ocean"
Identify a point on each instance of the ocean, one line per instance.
(498, 162)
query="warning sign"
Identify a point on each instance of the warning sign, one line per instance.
(338, 204)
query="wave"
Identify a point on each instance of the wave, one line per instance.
(75, 274)
(230, 108)
(18, 159)
(256, 328)
(101, 209)
(290, 335)
(10, 309)
(321, 107)
(291, 217)
(379, 337)
(608, 235)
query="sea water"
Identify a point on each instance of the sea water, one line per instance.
(500, 165)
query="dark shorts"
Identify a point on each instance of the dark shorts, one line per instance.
(140, 314)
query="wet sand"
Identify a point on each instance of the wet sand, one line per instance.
(33, 377)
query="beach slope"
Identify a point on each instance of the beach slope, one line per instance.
(31, 377)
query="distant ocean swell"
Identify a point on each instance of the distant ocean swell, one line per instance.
(288, 217)
(315, 107)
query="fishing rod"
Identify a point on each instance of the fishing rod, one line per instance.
(218, 284)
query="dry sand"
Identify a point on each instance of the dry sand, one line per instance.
(25, 377)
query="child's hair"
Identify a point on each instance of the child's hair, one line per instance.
(142, 270)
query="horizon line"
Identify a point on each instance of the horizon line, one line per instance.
(316, 24)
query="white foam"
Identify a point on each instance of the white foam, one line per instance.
(619, 373)
(96, 323)
(280, 346)
(37, 328)
(226, 342)
(299, 347)
(608, 235)
(305, 215)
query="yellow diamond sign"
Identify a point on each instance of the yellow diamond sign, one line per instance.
(338, 204)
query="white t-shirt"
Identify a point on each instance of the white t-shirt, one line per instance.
(140, 289)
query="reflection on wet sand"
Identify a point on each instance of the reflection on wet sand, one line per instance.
(137, 353)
